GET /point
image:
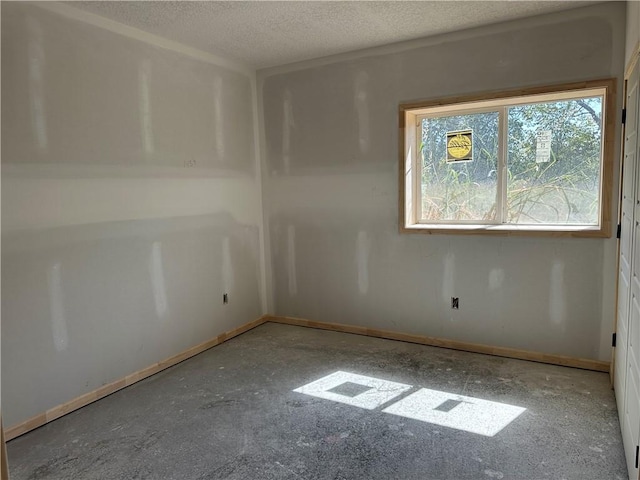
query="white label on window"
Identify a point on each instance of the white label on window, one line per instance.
(366, 392)
(456, 411)
(543, 146)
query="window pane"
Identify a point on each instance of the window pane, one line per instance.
(460, 190)
(554, 162)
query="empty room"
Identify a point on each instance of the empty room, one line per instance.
(320, 240)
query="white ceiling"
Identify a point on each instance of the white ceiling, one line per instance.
(263, 34)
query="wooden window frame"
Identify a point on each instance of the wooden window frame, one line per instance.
(409, 113)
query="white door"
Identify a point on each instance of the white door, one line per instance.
(627, 227)
(630, 414)
(629, 330)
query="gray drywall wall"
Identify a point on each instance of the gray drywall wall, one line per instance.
(633, 30)
(330, 180)
(130, 205)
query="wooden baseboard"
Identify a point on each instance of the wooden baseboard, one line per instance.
(564, 361)
(90, 397)
(4, 465)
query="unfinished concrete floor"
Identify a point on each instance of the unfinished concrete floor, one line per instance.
(231, 413)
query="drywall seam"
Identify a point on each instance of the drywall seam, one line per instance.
(265, 263)
(542, 19)
(561, 360)
(137, 34)
(90, 397)
(266, 240)
(124, 199)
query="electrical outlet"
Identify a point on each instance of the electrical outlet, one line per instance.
(455, 303)
(225, 298)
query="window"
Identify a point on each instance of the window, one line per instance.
(535, 161)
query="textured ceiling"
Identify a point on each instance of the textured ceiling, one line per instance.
(264, 33)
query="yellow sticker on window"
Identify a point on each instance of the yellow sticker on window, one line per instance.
(460, 146)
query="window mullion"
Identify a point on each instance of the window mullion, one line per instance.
(501, 174)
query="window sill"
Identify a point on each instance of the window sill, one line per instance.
(508, 230)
